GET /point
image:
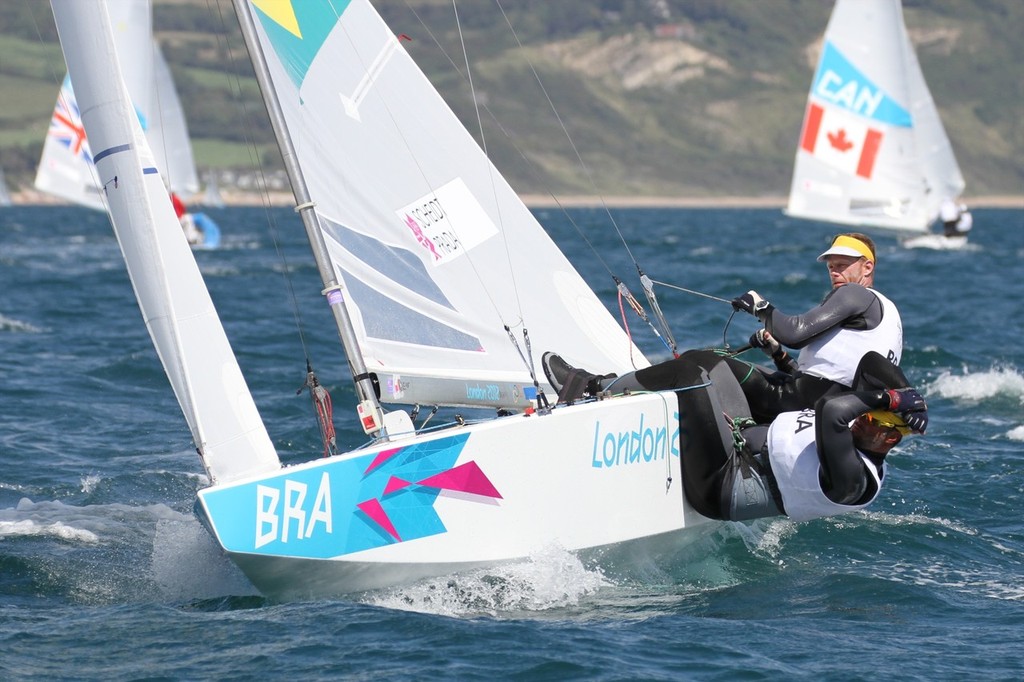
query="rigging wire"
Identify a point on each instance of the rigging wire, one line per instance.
(321, 398)
(668, 338)
(528, 358)
(634, 304)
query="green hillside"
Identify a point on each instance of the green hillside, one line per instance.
(689, 98)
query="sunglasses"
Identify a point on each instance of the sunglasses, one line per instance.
(902, 428)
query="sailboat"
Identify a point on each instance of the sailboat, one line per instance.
(872, 150)
(5, 195)
(66, 165)
(211, 195)
(440, 281)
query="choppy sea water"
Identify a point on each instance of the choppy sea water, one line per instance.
(106, 574)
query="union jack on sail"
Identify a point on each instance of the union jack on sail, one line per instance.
(66, 124)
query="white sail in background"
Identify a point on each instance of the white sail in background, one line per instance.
(175, 303)
(211, 194)
(5, 195)
(168, 131)
(872, 149)
(933, 146)
(436, 252)
(66, 166)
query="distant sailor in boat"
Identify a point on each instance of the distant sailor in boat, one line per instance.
(193, 234)
(807, 463)
(956, 219)
(965, 222)
(949, 213)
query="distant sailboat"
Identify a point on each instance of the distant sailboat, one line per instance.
(211, 195)
(5, 195)
(872, 151)
(66, 167)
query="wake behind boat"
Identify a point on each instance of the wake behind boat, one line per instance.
(872, 151)
(440, 282)
(936, 242)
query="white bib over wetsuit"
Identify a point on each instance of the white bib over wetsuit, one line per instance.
(836, 353)
(795, 465)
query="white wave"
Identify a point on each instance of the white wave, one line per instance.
(90, 523)
(29, 528)
(554, 578)
(1016, 433)
(90, 482)
(915, 519)
(146, 552)
(766, 537)
(1000, 381)
(9, 324)
(987, 581)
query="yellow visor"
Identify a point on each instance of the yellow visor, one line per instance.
(848, 246)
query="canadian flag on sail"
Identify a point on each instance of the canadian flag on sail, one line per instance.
(841, 140)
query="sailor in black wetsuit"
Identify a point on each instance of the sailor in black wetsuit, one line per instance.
(806, 464)
(832, 337)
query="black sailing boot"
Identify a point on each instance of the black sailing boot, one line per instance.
(570, 382)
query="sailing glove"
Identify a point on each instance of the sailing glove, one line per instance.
(911, 407)
(751, 302)
(905, 400)
(765, 341)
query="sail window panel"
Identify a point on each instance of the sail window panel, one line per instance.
(387, 319)
(397, 264)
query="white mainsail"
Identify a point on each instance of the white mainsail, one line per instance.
(175, 303)
(436, 252)
(66, 166)
(872, 149)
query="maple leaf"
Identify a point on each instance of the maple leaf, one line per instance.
(838, 140)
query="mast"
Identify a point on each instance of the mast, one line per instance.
(370, 408)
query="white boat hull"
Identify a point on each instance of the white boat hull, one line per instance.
(588, 476)
(938, 242)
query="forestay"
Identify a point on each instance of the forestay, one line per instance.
(872, 150)
(435, 251)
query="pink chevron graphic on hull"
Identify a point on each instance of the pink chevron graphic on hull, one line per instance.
(376, 512)
(467, 478)
(382, 456)
(395, 483)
